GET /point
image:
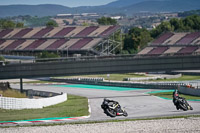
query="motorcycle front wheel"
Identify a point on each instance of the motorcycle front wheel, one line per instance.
(125, 113)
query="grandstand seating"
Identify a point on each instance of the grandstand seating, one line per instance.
(44, 45)
(172, 40)
(2, 41)
(25, 44)
(31, 33)
(76, 38)
(92, 43)
(86, 31)
(14, 44)
(98, 31)
(53, 32)
(5, 44)
(22, 32)
(5, 32)
(64, 32)
(69, 44)
(197, 41)
(42, 32)
(75, 31)
(162, 38)
(189, 38)
(56, 44)
(81, 43)
(35, 44)
(188, 50)
(109, 30)
(172, 50)
(198, 50)
(158, 50)
(145, 50)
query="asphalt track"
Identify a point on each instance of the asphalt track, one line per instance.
(136, 102)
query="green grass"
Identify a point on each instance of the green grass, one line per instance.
(115, 77)
(12, 93)
(183, 78)
(75, 106)
(169, 95)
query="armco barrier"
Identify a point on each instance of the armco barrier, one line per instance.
(25, 103)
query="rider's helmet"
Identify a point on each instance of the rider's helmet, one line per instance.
(176, 93)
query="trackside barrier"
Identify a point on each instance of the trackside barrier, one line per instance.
(154, 78)
(26, 103)
(122, 84)
(189, 91)
(79, 79)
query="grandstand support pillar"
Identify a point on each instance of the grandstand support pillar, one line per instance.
(21, 85)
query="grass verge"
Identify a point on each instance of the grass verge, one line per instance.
(12, 93)
(75, 106)
(169, 95)
(183, 78)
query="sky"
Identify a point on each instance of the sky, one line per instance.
(69, 3)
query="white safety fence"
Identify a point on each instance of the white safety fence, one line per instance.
(26, 103)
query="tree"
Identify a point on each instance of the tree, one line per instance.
(8, 24)
(46, 54)
(51, 24)
(192, 22)
(19, 25)
(177, 24)
(2, 58)
(136, 39)
(165, 26)
(106, 21)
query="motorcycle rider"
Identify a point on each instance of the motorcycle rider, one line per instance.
(113, 105)
(175, 99)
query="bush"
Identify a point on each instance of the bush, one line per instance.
(2, 58)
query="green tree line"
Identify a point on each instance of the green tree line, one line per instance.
(9, 24)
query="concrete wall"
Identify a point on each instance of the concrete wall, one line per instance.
(100, 66)
(25, 103)
(190, 91)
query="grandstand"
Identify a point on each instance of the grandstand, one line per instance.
(174, 44)
(84, 40)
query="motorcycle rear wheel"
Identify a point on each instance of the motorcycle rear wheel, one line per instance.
(183, 107)
(111, 112)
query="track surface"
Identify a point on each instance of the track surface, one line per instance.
(137, 103)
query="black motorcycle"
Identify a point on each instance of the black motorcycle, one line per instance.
(112, 108)
(181, 103)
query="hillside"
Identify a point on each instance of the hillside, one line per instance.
(33, 10)
(163, 6)
(121, 6)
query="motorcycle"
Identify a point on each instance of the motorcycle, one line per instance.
(181, 103)
(112, 108)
